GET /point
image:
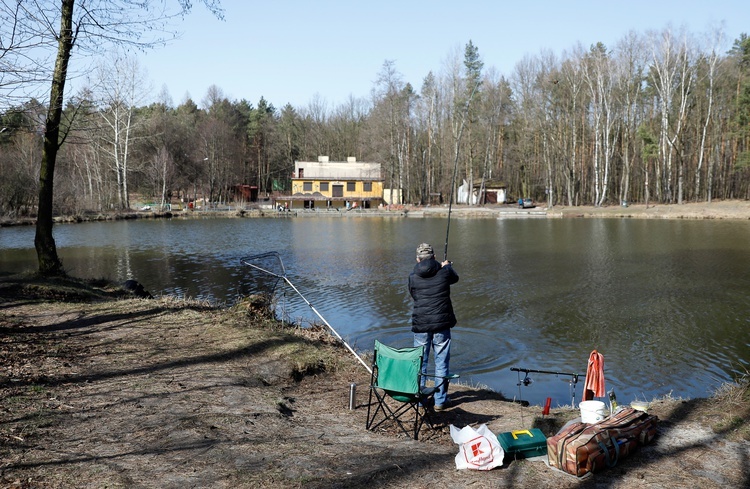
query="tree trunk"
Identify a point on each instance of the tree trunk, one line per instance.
(44, 242)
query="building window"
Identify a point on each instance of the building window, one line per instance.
(338, 191)
(351, 186)
(307, 186)
(367, 186)
(324, 186)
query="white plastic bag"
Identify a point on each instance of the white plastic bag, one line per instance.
(478, 449)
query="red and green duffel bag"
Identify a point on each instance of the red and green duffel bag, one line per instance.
(580, 448)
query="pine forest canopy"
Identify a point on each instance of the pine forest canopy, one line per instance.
(658, 117)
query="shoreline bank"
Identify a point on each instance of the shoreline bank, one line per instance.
(730, 209)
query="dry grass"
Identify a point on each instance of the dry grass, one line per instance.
(731, 403)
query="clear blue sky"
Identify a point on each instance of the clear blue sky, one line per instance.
(291, 50)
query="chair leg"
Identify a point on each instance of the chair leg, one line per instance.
(379, 408)
(394, 415)
(417, 423)
(421, 419)
(369, 404)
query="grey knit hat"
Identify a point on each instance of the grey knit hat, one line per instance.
(425, 251)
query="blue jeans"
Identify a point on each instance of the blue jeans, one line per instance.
(440, 343)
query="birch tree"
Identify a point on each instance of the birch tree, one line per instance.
(631, 67)
(547, 128)
(687, 80)
(572, 79)
(599, 79)
(427, 115)
(715, 41)
(120, 89)
(672, 76)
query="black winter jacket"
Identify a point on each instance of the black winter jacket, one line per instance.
(430, 287)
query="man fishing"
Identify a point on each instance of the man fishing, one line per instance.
(432, 317)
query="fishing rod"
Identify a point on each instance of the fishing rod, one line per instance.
(527, 381)
(455, 165)
(273, 254)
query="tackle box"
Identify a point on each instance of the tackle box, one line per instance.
(523, 443)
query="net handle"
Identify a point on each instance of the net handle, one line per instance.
(246, 261)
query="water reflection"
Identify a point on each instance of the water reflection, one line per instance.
(666, 302)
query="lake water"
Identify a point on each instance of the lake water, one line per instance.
(666, 302)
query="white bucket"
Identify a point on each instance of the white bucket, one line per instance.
(593, 411)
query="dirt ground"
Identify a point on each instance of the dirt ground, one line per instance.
(100, 390)
(727, 209)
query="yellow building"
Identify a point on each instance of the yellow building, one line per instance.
(325, 184)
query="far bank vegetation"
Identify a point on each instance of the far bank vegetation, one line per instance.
(660, 116)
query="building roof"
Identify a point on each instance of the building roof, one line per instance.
(336, 170)
(490, 184)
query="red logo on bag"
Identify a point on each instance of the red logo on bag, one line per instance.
(481, 451)
(475, 449)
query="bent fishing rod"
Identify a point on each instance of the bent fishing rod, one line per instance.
(455, 165)
(274, 254)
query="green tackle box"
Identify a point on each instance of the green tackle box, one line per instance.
(523, 443)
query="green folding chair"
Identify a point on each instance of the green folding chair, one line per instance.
(396, 375)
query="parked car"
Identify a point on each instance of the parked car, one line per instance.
(525, 203)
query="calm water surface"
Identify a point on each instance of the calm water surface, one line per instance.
(665, 302)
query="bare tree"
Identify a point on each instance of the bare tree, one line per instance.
(22, 76)
(60, 26)
(631, 66)
(392, 106)
(547, 80)
(600, 80)
(526, 76)
(315, 128)
(672, 76)
(572, 79)
(428, 121)
(492, 118)
(120, 89)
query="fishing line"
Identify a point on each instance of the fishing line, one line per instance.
(274, 256)
(455, 165)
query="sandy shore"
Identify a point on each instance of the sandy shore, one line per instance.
(731, 209)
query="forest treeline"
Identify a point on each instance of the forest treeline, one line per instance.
(661, 116)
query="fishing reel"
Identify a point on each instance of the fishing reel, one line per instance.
(571, 378)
